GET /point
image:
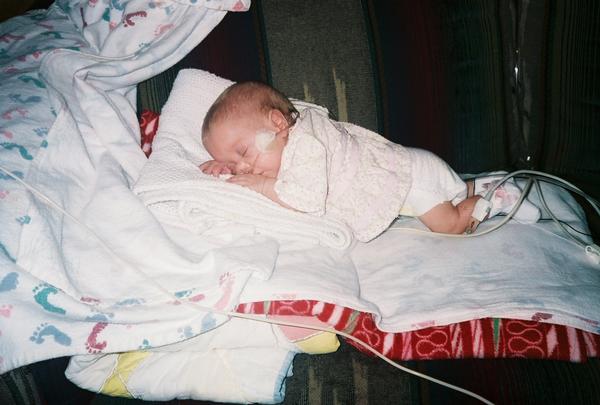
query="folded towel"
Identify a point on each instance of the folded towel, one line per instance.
(179, 194)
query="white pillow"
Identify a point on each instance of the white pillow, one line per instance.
(193, 93)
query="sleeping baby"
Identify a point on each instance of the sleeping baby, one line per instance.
(310, 163)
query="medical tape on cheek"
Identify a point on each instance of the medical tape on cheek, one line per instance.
(263, 140)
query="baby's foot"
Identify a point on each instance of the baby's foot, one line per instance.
(505, 197)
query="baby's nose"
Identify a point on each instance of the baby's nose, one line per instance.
(242, 167)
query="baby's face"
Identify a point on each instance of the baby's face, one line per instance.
(243, 143)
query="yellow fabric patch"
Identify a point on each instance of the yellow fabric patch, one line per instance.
(320, 343)
(115, 384)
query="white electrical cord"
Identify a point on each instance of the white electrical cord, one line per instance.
(259, 318)
(537, 175)
(592, 250)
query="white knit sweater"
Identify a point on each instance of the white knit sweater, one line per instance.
(344, 171)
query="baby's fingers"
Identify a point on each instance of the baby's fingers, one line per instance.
(239, 179)
(221, 169)
(214, 168)
(206, 167)
(251, 181)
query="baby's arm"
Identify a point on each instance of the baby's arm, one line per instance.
(261, 184)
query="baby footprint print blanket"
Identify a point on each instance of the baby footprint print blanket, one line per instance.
(68, 127)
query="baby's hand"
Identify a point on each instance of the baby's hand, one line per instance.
(215, 168)
(254, 182)
(262, 184)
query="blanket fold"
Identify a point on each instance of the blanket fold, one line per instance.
(181, 195)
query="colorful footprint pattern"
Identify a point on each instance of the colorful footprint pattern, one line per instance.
(24, 96)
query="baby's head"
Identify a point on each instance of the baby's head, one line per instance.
(247, 127)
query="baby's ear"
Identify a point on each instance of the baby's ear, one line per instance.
(278, 119)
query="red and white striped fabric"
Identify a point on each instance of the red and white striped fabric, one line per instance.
(480, 338)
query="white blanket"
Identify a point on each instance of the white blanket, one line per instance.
(78, 285)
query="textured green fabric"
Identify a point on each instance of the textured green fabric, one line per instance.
(472, 69)
(18, 387)
(349, 377)
(570, 145)
(441, 79)
(319, 51)
(154, 92)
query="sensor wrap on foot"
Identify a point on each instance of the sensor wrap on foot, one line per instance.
(482, 209)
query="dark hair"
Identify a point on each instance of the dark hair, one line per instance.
(254, 95)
